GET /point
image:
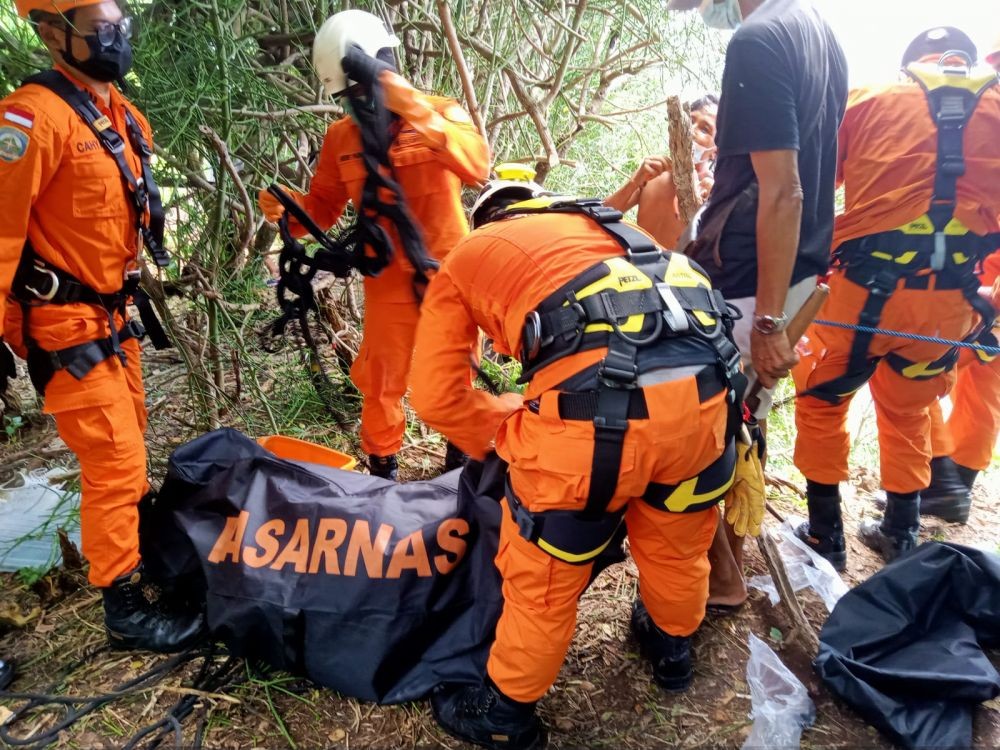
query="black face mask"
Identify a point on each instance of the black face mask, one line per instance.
(107, 62)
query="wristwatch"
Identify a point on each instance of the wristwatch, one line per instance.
(768, 324)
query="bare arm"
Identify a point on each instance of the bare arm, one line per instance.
(779, 218)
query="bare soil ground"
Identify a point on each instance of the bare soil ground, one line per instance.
(604, 697)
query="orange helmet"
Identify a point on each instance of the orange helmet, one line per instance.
(24, 7)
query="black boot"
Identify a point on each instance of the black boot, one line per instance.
(484, 716)
(824, 532)
(948, 495)
(383, 466)
(896, 533)
(670, 655)
(6, 673)
(135, 619)
(967, 475)
(453, 457)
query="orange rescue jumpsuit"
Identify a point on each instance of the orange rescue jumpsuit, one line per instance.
(62, 191)
(437, 149)
(887, 159)
(969, 436)
(491, 280)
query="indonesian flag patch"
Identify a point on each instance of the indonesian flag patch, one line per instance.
(20, 117)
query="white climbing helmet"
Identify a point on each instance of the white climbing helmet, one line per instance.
(514, 183)
(337, 33)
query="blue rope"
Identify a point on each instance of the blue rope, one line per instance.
(993, 350)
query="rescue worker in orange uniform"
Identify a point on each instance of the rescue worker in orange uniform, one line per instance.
(73, 214)
(631, 426)
(918, 160)
(964, 445)
(437, 148)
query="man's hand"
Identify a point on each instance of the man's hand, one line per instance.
(651, 168)
(772, 357)
(362, 68)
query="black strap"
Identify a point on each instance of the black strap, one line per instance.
(150, 321)
(880, 288)
(37, 282)
(144, 192)
(79, 360)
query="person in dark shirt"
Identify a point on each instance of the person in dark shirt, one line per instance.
(766, 231)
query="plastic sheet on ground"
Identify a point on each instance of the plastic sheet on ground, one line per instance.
(781, 707)
(32, 509)
(805, 569)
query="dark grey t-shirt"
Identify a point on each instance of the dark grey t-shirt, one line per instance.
(784, 87)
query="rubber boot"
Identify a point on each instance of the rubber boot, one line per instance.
(6, 673)
(823, 533)
(135, 619)
(896, 533)
(484, 716)
(453, 457)
(670, 655)
(948, 496)
(967, 475)
(383, 466)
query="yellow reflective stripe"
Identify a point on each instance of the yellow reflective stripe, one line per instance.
(906, 257)
(881, 256)
(922, 370)
(684, 495)
(569, 556)
(960, 258)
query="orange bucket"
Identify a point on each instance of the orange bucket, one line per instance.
(302, 450)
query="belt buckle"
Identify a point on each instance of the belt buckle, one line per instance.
(49, 295)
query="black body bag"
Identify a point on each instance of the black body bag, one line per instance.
(375, 589)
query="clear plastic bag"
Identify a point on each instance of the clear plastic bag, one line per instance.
(805, 569)
(781, 707)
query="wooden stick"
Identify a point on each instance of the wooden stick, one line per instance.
(455, 47)
(681, 138)
(802, 628)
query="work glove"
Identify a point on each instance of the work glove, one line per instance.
(271, 208)
(745, 499)
(363, 68)
(8, 370)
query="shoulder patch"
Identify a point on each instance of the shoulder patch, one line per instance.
(13, 143)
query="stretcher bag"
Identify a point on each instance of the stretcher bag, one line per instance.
(906, 648)
(375, 589)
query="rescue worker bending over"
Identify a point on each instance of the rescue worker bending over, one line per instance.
(435, 149)
(77, 195)
(628, 416)
(919, 161)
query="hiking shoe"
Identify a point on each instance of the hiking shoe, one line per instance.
(383, 466)
(484, 716)
(832, 547)
(135, 618)
(670, 655)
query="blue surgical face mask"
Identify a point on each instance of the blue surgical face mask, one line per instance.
(725, 15)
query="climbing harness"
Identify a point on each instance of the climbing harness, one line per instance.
(651, 310)
(38, 282)
(935, 251)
